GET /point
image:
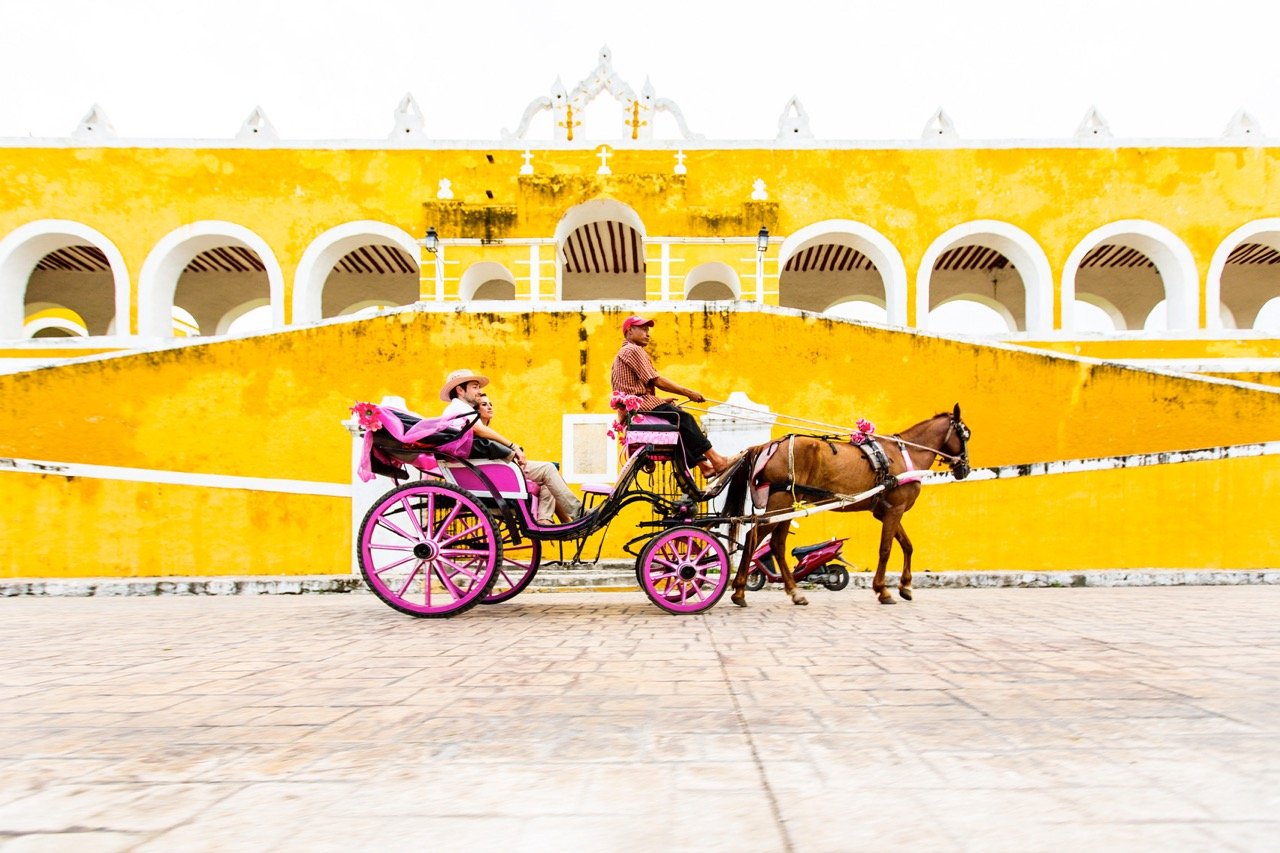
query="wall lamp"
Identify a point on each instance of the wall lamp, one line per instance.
(762, 240)
(432, 241)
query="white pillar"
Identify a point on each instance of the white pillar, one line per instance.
(535, 273)
(363, 494)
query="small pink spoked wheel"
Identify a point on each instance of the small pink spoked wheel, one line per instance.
(429, 549)
(684, 569)
(519, 565)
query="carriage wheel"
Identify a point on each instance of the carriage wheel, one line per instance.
(429, 549)
(755, 580)
(519, 565)
(684, 570)
(837, 578)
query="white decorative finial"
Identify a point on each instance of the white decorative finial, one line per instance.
(1243, 126)
(445, 190)
(1093, 126)
(606, 56)
(794, 121)
(604, 154)
(257, 127)
(527, 168)
(410, 124)
(758, 191)
(680, 168)
(94, 125)
(940, 126)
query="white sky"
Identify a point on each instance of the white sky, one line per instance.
(322, 69)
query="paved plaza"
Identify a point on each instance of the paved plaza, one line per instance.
(992, 719)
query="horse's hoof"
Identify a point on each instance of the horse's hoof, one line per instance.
(799, 600)
(887, 599)
(905, 592)
(740, 600)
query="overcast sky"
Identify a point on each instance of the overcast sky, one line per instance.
(321, 69)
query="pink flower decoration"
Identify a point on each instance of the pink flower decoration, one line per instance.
(866, 426)
(858, 438)
(367, 414)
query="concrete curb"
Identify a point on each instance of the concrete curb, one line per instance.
(616, 577)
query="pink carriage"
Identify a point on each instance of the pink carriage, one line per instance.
(465, 532)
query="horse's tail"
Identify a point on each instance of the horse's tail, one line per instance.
(735, 496)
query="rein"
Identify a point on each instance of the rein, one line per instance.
(839, 430)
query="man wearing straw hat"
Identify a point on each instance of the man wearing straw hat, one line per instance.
(634, 375)
(463, 390)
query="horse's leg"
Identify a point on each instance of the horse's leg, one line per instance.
(749, 544)
(779, 546)
(890, 521)
(904, 585)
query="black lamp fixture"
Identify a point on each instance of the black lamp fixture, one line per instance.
(762, 240)
(432, 241)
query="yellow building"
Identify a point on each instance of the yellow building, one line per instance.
(1159, 255)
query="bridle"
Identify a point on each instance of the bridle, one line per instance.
(959, 462)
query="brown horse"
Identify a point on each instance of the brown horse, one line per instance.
(811, 469)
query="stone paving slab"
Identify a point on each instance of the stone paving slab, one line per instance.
(972, 719)
(613, 576)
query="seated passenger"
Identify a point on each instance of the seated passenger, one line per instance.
(463, 390)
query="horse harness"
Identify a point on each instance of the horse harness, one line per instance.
(870, 448)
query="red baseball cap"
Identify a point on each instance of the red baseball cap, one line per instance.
(631, 322)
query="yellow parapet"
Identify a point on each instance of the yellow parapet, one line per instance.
(270, 406)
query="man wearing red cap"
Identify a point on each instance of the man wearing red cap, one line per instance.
(634, 375)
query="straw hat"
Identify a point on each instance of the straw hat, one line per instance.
(459, 377)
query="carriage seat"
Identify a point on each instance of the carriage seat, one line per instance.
(506, 477)
(655, 428)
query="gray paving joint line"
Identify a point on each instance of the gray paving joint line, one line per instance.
(608, 577)
(775, 806)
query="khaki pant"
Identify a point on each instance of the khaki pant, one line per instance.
(553, 492)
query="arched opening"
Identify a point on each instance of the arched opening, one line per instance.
(993, 263)
(1095, 314)
(208, 269)
(487, 280)
(252, 316)
(600, 248)
(712, 282)
(65, 264)
(972, 314)
(840, 261)
(863, 309)
(363, 261)
(375, 271)
(48, 320)
(1133, 265)
(1249, 278)
(1268, 318)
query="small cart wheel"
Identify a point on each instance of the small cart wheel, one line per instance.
(519, 565)
(684, 569)
(429, 549)
(837, 578)
(755, 580)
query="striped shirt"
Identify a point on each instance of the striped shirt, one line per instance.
(633, 373)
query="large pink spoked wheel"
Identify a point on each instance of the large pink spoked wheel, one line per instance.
(429, 549)
(519, 565)
(684, 569)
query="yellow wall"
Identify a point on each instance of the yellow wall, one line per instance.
(270, 406)
(135, 196)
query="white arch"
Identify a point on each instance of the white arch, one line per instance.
(478, 274)
(332, 246)
(596, 210)
(1264, 231)
(224, 324)
(1009, 240)
(713, 271)
(23, 247)
(1166, 250)
(1106, 306)
(868, 241)
(987, 302)
(165, 262)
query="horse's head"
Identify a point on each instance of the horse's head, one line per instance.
(956, 445)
